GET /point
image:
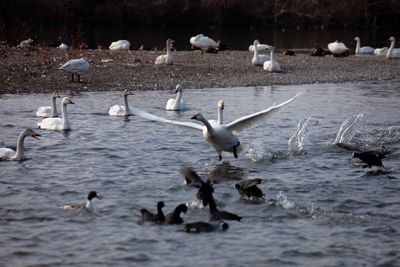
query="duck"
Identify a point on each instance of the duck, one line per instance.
(258, 60)
(177, 104)
(87, 206)
(248, 189)
(58, 124)
(337, 47)
(175, 216)
(319, 52)
(205, 227)
(381, 152)
(380, 52)
(18, 154)
(369, 159)
(192, 179)
(167, 59)
(75, 66)
(120, 45)
(148, 216)
(49, 111)
(214, 213)
(271, 65)
(259, 46)
(393, 53)
(221, 137)
(365, 50)
(118, 110)
(203, 42)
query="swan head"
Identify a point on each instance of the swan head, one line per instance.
(30, 132)
(198, 117)
(256, 42)
(66, 101)
(55, 94)
(170, 42)
(221, 104)
(178, 88)
(272, 48)
(93, 194)
(392, 39)
(127, 92)
(356, 38)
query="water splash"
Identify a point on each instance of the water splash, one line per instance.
(284, 202)
(386, 136)
(349, 128)
(259, 152)
(296, 142)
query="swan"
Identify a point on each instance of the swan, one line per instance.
(365, 50)
(337, 47)
(49, 111)
(120, 45)
(87, 206)
(393, 52)
(62, 46)
(220, 118)
(75, 66)
(258, 60)
(9, 154)
(118, 110)
(203, 42)
(259, 47)
(57, 124)
(271, 65)
(221, 137)
(167, 58)
(178, 103)
(381, 51)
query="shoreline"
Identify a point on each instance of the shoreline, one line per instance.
(36, 71)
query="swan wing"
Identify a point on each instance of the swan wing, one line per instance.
(6, 153)
(147, 116)
(256, 118)
(117, 110)
(43, 112)
(51, 124)
(162, 59)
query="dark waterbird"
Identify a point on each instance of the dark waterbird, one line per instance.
(148, 216)
(248, 189)
(205, 227)
(371, 157)
(194, 180)
(175, 216)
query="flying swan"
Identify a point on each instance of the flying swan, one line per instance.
(118, 110)
(9, 154)
(49, 111)
(58, 124)
(221, 137)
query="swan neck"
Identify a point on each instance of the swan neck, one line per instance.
(207, 124)
(20, 146)
(64, 113)
(126, 105)
(389, 52)
(220, 116)
(178, 96)
(255, 50)
(358, 45)
(53, 107)
(272, 56)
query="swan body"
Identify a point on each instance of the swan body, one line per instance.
(271, 65)
(178, 103)
(58, 124)
(203, 42)
(258, 60)
(9, 154)
(87, 206)
(337, 47)
(62, 46)
(26, 43)
(259, 46)
(167, 59)
(381, 51)
(393, 52)
(120, 45)
(365, 50)
(75, 66)
(49, 111)
(221, 137)
(118, 110)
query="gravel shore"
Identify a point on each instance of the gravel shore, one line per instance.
(35, 71)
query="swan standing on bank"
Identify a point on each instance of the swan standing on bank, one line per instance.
(120, 45)
(393, 52)
(258, 60)
(75, 66)
(271, 65)
(49, 111)
(337, 47)
(221, 137)
(178, 103)
(203, 42)
(365, 50)
(118, 110)
(58, 124)
(9, 154)
(168, 58)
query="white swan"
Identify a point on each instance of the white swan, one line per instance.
(365, 50)
(118, 110)
(49, 111)
(259, 46)
(203, 42)
(167, 58)
(220, 119)
(258, 60)
(178, 103)
(9, 154)
(75, 66)
(120, 45)
(381, 51)
(272, 65)
(337, 47)
(221, 137)
(62, 46)
(57, 124)
(393, 52)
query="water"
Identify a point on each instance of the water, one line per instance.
(322, 209)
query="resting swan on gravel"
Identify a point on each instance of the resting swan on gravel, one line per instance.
(337, 47)
(258, 60)
(178, 103)
(203, 42)
(393, 52)
(271, 65)
(49, 111)
(365, 50)
(120, 45)
(58, 124)
(118, 110)
(18, 154)
(259, 46)
(168, 58)
(221, 137)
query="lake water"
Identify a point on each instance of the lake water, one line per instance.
(323, 210)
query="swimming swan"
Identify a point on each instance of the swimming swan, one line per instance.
(120, 45)
(393, 52)
(221, 137)
(271, 65)
(75, 66)
(9, 154)
(365, 50)
(118, 110)
(49, 111)
(203, 42)
(258, 60)
(57, 124)
(167, 58)
(178, 103)
(337, 47)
